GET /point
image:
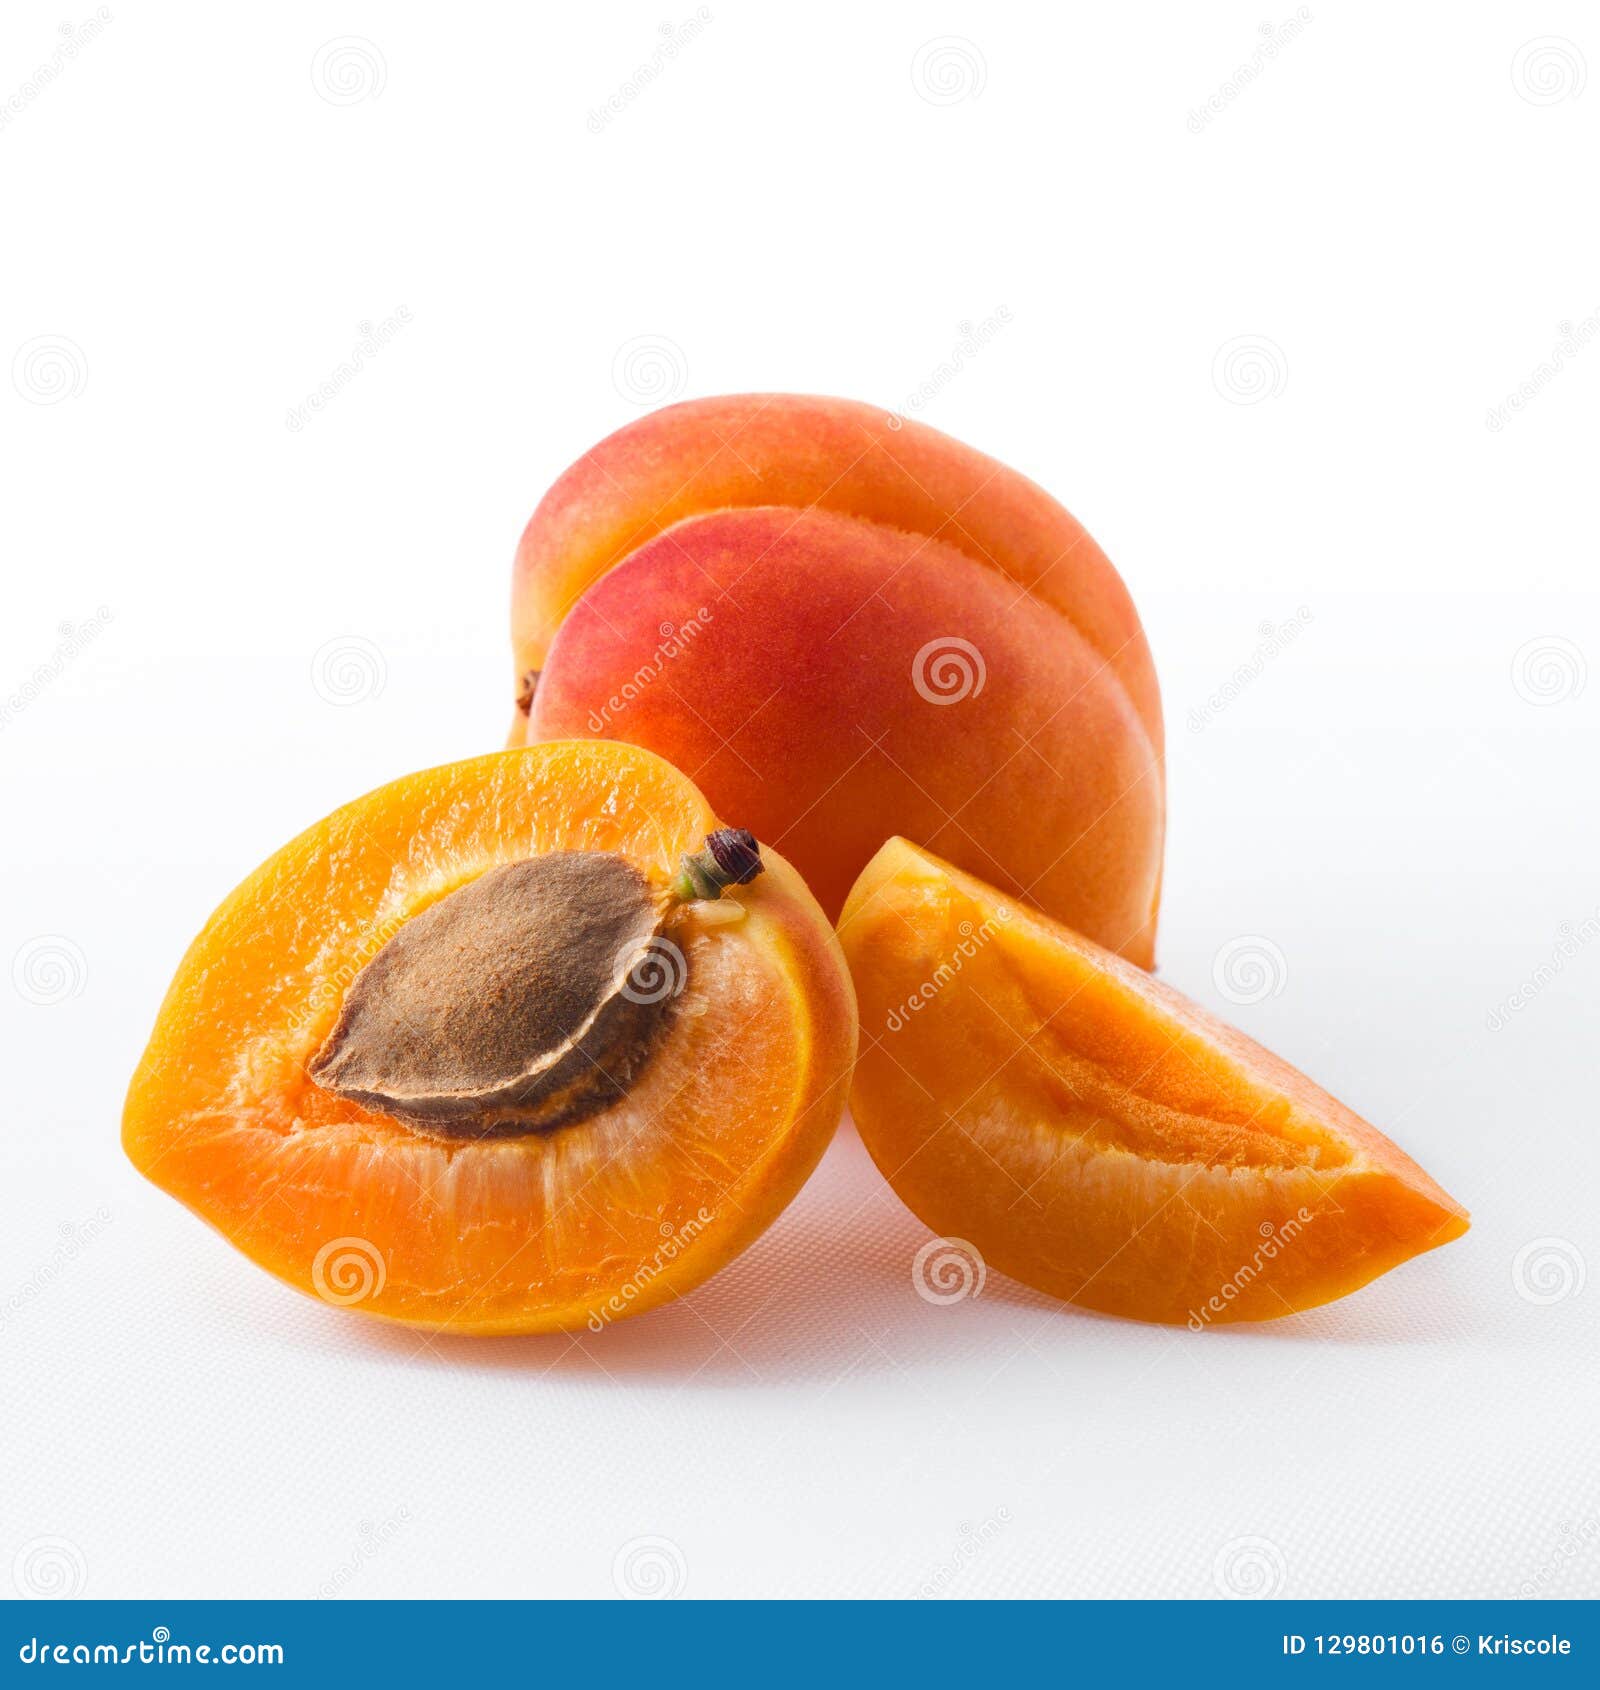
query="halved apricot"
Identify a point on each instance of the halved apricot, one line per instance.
(521, 1043)
(1096, 1134)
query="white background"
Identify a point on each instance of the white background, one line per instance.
(1254, 344)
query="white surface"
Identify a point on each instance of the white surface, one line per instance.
(1396, 203)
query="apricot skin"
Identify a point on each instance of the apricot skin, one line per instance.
(1063, 745)
(793, 700)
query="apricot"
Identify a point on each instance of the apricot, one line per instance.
(525, 1042)
(844, 626)
(1094, 1133)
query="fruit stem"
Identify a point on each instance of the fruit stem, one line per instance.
(731, 858)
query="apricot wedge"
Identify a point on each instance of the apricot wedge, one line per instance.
(525, 1042)
(1094, 1133)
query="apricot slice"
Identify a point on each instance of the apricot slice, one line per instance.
(1094, 1133)
(930, 643)
(525, 1042)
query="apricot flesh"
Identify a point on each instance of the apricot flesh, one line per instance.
(595, 1218)
(1094, 1133)
(937, 647)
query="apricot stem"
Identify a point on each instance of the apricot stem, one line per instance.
(731, 858)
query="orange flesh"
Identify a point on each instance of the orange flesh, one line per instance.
(1096, 1134)
(575, 1226)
